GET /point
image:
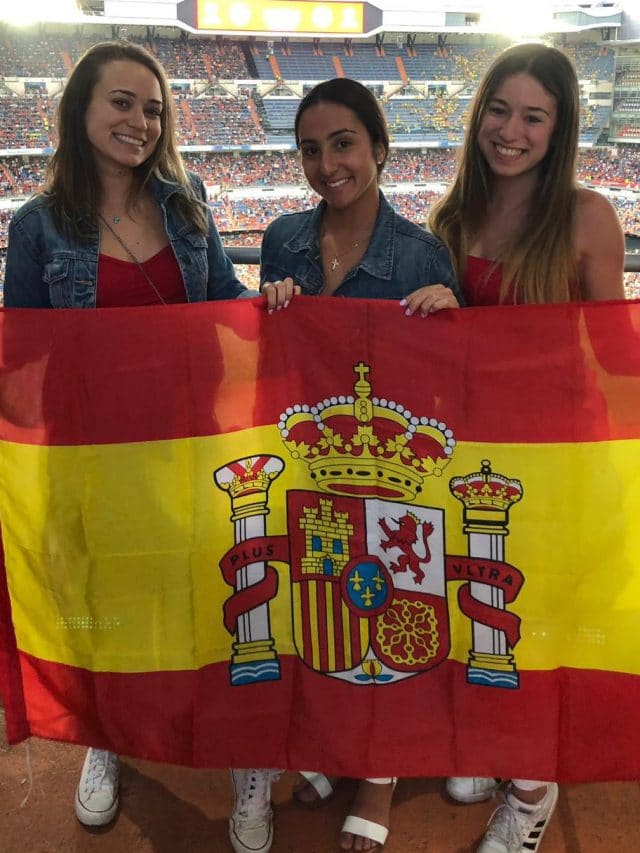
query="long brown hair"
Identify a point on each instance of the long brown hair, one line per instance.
(538, 265)
(72, 181)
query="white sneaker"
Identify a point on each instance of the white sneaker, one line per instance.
(97, 794)
(251, 824)
(471, 789)
(517, 827)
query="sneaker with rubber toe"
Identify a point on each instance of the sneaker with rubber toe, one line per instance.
(517, 827)
(251, 824)
(471, 789)
(97, 793)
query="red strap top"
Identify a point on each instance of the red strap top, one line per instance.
(121, 283)
(483, 279)
(482, 282)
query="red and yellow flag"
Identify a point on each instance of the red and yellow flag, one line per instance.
(333, 537)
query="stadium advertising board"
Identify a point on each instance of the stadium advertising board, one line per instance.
(280, 16)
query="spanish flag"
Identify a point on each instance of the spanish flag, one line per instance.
(333, 537)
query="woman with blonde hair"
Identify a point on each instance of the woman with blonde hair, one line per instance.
(520, 230)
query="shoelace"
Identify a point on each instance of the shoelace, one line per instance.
(97, 770)
(504, 826)
(511, 824)
(256, 793)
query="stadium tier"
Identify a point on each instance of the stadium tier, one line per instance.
(235, 99)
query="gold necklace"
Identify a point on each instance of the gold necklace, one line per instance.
(334, 262)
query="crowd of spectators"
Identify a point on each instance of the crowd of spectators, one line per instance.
(618, 167)
(255, 168)
(21, 176)
(23, 54)
(27, 122)
(200, 58)
(218, 121)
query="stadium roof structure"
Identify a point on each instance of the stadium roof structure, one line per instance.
(340, 18)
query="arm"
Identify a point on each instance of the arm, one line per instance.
(222, 282)
(278, 291)
(23, 285)
(600, 247)
(434, 297)
(268, 250)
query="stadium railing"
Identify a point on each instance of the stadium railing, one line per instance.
(251, 255)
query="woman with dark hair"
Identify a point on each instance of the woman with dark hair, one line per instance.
(520, 230)
(120, 222)
(352, 244)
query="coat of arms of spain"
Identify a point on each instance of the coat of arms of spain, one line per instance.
(368, 561)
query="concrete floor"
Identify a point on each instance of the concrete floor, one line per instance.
(168, 809)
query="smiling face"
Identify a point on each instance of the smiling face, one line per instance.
(123, 116)
(517, 126)
(339, 160)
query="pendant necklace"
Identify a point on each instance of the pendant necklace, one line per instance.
(335, 260)
(133, 257)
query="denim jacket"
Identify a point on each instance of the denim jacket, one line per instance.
(46, 269)
(400, 258)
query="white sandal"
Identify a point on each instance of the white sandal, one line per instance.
(320, 783)
(375, 832)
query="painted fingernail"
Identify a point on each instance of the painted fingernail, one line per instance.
(286, 304)
(408, 312)
(403, 302)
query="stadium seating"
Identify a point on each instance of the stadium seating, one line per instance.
(434, 85)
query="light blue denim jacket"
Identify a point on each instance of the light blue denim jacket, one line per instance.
(400, 258)
(46, 269)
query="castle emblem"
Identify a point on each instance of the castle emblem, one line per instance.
(368, 562)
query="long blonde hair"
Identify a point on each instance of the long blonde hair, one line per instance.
(538, 264)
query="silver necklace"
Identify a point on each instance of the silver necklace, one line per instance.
(132, 256)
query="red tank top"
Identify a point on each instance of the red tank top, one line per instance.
(483, 279)
(482, 282)
(121, 283)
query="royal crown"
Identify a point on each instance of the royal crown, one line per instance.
(366, 446)
(247, 481)
(487, 497)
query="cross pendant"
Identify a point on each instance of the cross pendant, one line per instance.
(334, 263)
(116, 219)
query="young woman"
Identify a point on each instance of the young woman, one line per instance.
(352, 244)
(520, 230)
(119, 223)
